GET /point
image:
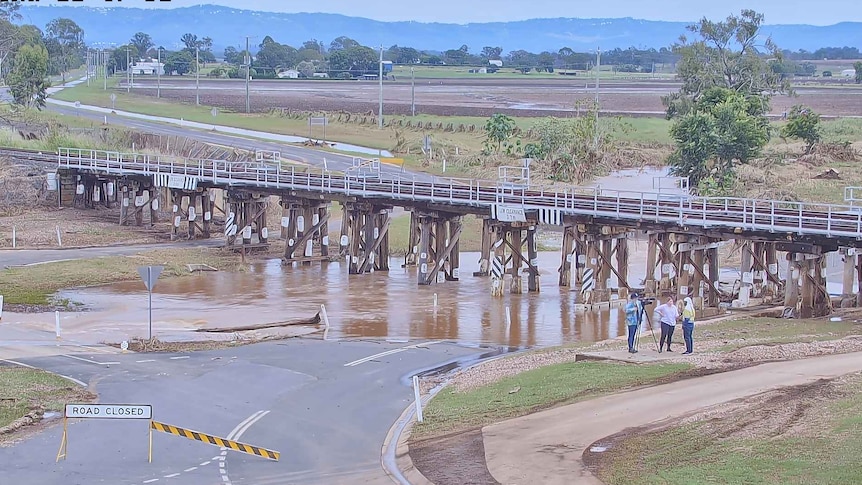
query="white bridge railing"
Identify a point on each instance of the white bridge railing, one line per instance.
(834, 221)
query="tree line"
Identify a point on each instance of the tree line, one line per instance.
(28, 55)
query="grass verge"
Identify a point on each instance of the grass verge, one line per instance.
(37, 284)
(821, 444)
(542, 388)
(25, 390)
(731, 335)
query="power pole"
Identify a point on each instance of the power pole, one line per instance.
(128, 71)
(412, 91)
(247, 75)
(380, 78)
(89, 66)
(105, 67)
(197, 76)
(598, 70)
(159, 75)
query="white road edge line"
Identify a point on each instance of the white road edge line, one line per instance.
(151, 480)
(205, 463)
(15, 362)
(172, 475)
(180, 358)
(144, 361)
(390, 352)
(190, 469)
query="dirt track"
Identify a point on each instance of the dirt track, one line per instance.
(472, 97)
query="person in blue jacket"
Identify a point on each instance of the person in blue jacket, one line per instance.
(632, 320)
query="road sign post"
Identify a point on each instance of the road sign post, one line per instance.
(113, 100)
(150, 274)
(105, 411)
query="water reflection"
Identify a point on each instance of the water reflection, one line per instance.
(379, 305)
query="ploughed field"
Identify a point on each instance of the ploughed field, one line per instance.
(472, 97)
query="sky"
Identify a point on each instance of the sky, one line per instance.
(822, 12)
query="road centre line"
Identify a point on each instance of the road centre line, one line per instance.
(234, 435)
(180, 358)
(145, 361)
(390, 352)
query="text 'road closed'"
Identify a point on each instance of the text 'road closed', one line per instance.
(109, 411)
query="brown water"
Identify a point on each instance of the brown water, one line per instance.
(378, 305)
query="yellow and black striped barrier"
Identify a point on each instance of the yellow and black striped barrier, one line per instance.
(215, 440)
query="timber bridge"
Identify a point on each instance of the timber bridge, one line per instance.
(684, 233)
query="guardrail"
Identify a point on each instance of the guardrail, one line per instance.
(707, 212)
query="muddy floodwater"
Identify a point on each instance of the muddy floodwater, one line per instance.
(385, 305)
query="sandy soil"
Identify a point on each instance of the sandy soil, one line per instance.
(473, 97)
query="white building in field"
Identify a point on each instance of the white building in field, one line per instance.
(848, 73)
(148, 68)
(289, 74)
(495, 63)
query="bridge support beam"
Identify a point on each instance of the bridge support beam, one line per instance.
(514, 237)
(136, 198)
(246, 218)
(192, 206)
(851, 294)
(366, 237)
(439, 256)
(305, 228)
(805, 291)
(599, 255)
(698, 278)
(759, 270)
(411, 257)
(486, 255)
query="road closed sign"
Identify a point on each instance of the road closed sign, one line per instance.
(109, 411)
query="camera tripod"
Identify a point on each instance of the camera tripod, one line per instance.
(641, 313)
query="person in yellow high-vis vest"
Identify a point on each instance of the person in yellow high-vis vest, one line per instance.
(688, 325)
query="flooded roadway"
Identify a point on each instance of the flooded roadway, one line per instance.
(385, 305)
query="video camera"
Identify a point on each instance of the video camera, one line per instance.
(646, 301)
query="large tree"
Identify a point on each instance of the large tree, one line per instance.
(142, 42)
(727, 54)
(27, 79)
(10, 11)
(720, 110)
(65, 42)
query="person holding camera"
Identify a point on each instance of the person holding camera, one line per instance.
(633, 320)
(669, 315)
(688, 325)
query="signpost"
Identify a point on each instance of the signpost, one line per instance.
(150, 274)
(317, 121)
(105, 411)
(113, 100)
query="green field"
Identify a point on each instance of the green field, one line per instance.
(24, 390)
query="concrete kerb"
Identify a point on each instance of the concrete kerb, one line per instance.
(396, 459)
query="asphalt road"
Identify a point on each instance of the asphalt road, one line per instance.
(324, 405)
(21, 257)
(333, 161)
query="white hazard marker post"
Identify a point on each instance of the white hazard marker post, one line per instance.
(150, 274)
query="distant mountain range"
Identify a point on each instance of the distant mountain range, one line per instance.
(228, 27)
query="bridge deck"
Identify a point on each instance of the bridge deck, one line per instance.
(778, 220)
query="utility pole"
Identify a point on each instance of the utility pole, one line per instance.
(128, 70)
(380, 78)
(247, 75)
(105, 66)
(159, 75)
(598, 70)
(412, 91)
(197, 76)
(89, 65)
